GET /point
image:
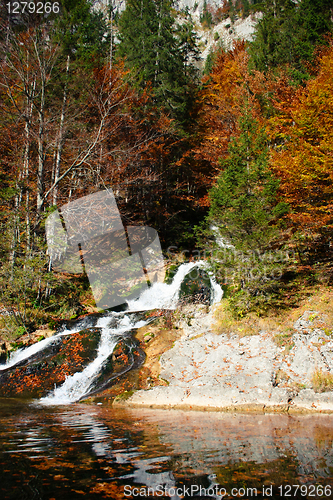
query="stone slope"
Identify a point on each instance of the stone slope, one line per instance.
(223, 371)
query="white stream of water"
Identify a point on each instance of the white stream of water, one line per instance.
(79, 384)
(27, 352)
(159, 296)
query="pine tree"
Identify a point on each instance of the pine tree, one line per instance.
(243, 201)
(288, 34)
(158, 52)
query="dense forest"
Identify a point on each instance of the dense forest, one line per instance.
(234, 165)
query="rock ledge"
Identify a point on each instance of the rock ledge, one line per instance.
(223, 372)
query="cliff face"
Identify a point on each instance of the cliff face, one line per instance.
(223, 33)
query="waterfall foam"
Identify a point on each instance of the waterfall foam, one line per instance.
(113, 325)
(27, 352)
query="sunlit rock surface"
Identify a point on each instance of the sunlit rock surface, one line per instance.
(218, 371)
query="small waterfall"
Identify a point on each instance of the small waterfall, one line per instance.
(27, 352)
(164, 296)
(79, 384)
(113, 326)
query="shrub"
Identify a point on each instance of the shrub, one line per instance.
(322, 381)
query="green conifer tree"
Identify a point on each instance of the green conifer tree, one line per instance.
(158, 52)
(288, 33)
(243, 201)
(315, 19)
(245, 211)
(206, 18)
(80, 32)
(273, 44)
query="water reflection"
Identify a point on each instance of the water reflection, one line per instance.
(94, 452)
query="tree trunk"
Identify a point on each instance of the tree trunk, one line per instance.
(60, 139)
(40, 169)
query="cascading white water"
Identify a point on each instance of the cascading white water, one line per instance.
(79, 384)
(162, 295)
(25, 353)
(113, 325)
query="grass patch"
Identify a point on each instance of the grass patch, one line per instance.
(248, 291)
(124, 396)
(322, 381)
(280, 323)
(284, 340)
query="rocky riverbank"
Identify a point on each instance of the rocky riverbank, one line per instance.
(273, 370)
(196, 359)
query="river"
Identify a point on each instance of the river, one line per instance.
(81, 451)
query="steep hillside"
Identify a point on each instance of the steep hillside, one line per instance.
(217, 32)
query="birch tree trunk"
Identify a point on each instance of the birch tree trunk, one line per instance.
(60, 139)
(41, 125)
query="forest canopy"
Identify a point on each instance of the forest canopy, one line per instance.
(92, 100)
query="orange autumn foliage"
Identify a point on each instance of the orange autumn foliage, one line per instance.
(229, 87)
(302, 156)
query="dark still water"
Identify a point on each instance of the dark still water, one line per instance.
(80, 451)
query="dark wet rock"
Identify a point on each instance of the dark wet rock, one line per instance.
(126, 356)
(3, 352)
(83, 323)
(64, 356)
(196, 287)
(120, 308)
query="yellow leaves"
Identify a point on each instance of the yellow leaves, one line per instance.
(108, 490)
(214, 138)
(304, 161)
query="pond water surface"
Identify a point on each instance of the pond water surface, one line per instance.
(80, 451)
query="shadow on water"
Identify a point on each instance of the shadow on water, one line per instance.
(81, 451)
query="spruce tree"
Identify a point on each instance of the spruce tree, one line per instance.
(80, 32)
(274, 37)
(243, 201)
(158, 52)
(315, 19)
(288, 33)
(244, 212)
